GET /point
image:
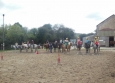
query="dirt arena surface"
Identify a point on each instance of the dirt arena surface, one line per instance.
(44, 68)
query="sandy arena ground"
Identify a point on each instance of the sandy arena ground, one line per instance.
(44, 68)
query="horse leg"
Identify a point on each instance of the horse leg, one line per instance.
(26, 49)
(31, 49)
(97, 50)
(19, 49)
(89, 50)
(54, 49)
(86, 50)
(94, 50)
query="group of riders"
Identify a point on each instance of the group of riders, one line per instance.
(65, 42)
(78, 43)
(28, 43)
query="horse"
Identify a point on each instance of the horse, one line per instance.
(68, 47)
(60, 47)
(17, 47)
(14, 46)
(79, 46)
(27, 46)
(87, 46)
(96, 48)
(36, 47)
(55, 45)
(46, 46)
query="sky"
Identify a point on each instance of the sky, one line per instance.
(80, 15)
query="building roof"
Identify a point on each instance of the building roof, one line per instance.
(106, 19)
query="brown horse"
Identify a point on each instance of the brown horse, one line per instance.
(46, 46)
(64, 48)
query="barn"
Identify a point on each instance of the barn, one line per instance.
(106, 31)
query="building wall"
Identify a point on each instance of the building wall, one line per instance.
(104, 41)
(105, 29)
(108, 23)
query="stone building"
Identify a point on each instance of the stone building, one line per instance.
(106, 31)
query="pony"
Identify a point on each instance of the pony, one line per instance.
(55, 45)
(14, 47)
(27, 46)
(79, 45)
(36, 47)
(96, 48)
(46, 46)
(60, 47)
(68, 47)
(87, 46)
(17, 47)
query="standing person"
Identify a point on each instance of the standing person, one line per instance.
(28, 44)
(50, 47)
(66, 42)
(32, 43)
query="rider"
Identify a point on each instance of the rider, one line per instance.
(96, 41)
(66, 42)
(87, 42)
(78, 41)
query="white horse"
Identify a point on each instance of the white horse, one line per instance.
(15, 47)
(27, 46)
(36, 47)
(31, 46)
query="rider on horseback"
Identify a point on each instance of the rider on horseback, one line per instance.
(87, 42)
(66, 42)
(87, 45)
(96, 41)
(79, 43)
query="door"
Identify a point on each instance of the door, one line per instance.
(111, 41)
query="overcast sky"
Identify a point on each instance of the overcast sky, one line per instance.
(80, 15)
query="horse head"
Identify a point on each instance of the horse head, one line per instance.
(70, 43)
